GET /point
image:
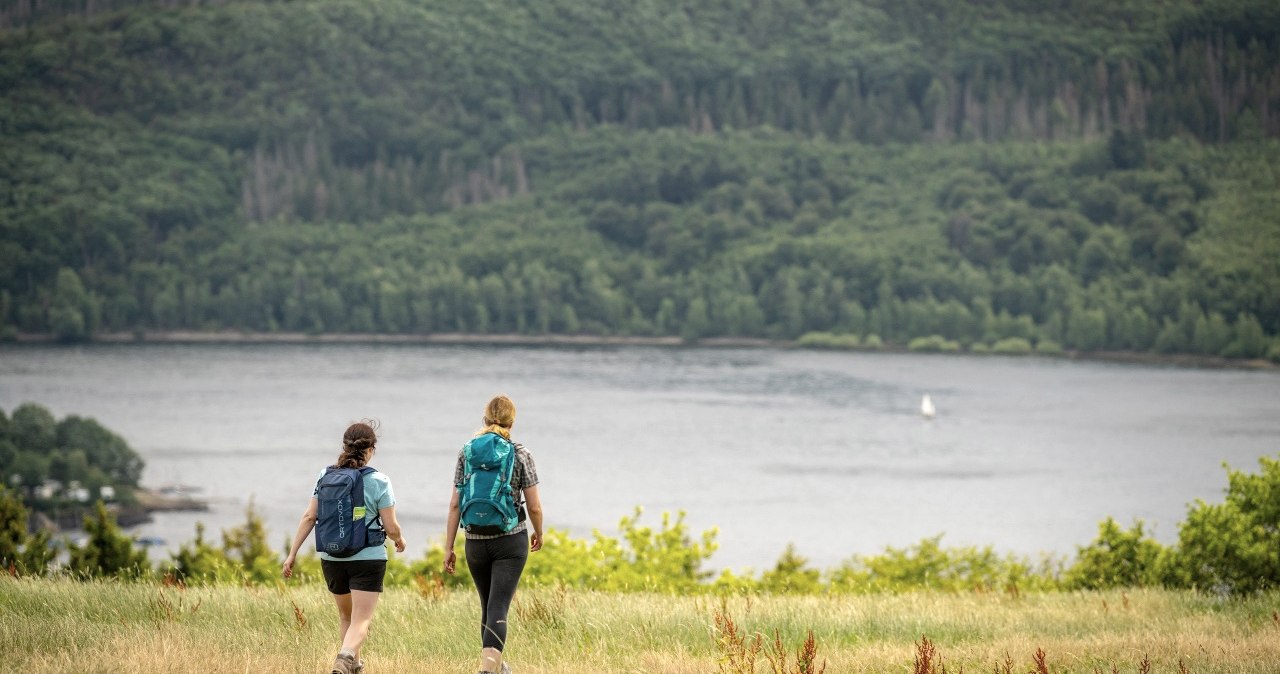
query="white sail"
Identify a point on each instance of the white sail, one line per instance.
(927, 409)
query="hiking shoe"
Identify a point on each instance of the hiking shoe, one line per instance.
(344, 664)
(359, 668)
(506, 669)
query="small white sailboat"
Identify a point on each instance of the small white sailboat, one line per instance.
(927, 410)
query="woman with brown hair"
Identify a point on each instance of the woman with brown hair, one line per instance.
(355, 580)
(496, 553)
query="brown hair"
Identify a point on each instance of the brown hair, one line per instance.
(358, 444)
(499, 417)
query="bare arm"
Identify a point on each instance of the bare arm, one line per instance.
(451, 532)
(305, 525)
(534, 504)
(391, 526)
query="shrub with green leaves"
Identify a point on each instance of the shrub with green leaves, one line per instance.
(1234, 546)
(107, 552)
(1118, 558)
(929, 566)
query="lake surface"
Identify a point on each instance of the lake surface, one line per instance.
(824, 450)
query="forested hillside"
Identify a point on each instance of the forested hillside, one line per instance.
(1091, 174)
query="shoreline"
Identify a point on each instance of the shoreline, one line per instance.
(463, 339)
(148, 501)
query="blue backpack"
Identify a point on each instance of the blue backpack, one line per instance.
(341, 529)
(488, 502)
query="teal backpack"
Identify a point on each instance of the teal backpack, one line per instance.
(488, 502)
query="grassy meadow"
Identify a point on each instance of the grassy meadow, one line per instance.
(57, 625)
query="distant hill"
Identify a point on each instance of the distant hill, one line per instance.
(1094, 175)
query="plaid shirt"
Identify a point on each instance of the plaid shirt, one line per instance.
(524, 474)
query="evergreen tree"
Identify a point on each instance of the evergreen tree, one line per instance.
(107, 552)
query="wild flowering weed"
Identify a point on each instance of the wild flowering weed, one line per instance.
(739, 653)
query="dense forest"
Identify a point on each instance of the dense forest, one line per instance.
(1088, 175)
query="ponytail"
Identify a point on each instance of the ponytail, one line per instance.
(499, 417)
(358, 444)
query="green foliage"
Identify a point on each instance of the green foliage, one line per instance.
(197, 562)
(828, 340)
(1048, 347)
(1012, 345)
(665, 560)
(933, 343)
(76, 451)
(245, 547)
(927, 565)
(107, 552)
(1234, 546)
(791, 575)
(21, 552)
(603, 168)
(13, 527)
(1231, 548)
(1117, 558)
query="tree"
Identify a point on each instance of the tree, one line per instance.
(791, 575)
(247, 546)
(1117, 558)
(33, 429)
(1234, 546)
(200, 562)
(13, 527)
(72, 311)
(108, 552)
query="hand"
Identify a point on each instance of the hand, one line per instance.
(287, 567)
(450, 562)
(400, 544)
(535, 542)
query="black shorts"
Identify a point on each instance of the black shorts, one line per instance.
(365, 575)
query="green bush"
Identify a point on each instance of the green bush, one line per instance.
(927, 565)
(1234, 546)
(107, 552)
(791, 575)
(933, 344)
(828, 340)
(21, 552)
(1118, 558)
(1012, 345)
(1048, 347)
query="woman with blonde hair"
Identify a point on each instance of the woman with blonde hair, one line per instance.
(495, 484)
(355, 575)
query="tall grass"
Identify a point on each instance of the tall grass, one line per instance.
(66, 626)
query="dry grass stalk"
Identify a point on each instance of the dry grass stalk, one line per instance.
(299, 619)
(169, 611)
(430, 589)
(539, 609)
(738, 654)
(928, 661)
(1144, 667)
(1005, 667)
(1182, 667)
(806, 657)
(1039, 660)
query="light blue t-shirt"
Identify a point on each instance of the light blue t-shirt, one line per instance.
(377, 495)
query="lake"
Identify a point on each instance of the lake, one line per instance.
(825, 450)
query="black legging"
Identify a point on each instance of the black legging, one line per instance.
(496, 564)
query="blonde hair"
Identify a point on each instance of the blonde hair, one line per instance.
(499, 416)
